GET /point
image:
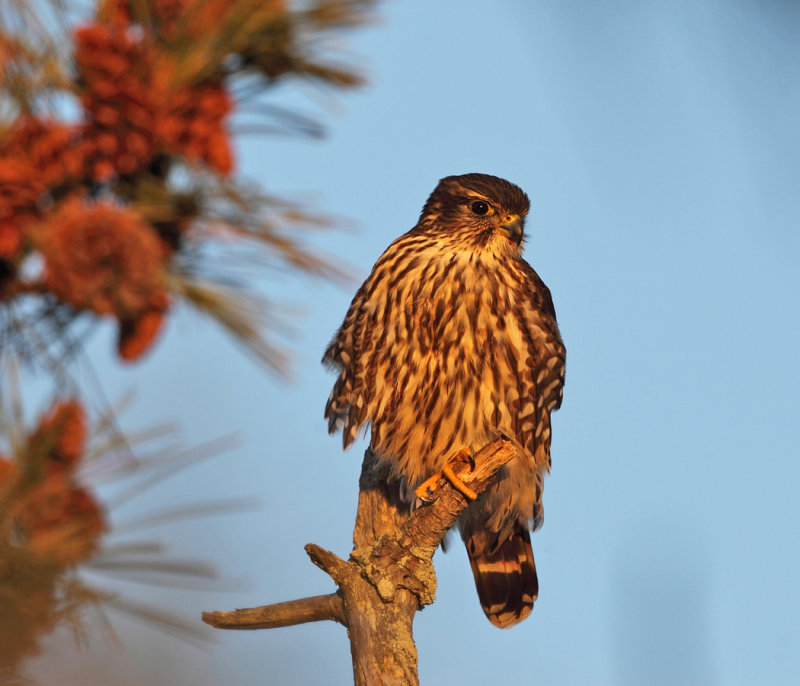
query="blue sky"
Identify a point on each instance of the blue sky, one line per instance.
(659, 145)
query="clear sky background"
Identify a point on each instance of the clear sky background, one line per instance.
(659, 143)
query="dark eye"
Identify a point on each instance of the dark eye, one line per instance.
(479, 207)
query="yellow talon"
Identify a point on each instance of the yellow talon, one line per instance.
(427, 488)
(458, 484)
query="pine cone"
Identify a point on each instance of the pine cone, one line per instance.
(104, 258)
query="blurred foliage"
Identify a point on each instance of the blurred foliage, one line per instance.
(53, 524)
(49, 523)
(118, 191)
(119, 198)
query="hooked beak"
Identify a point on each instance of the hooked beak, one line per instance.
(511, 226)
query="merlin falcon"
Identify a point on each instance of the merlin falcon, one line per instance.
(451, 342)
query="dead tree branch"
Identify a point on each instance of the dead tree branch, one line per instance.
(389, 576)
(314, 609)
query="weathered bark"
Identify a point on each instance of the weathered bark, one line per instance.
(314, 609)
(389, 576)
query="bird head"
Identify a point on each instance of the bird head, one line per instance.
(478, 210)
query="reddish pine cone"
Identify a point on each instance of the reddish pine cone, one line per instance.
(195, 126)
(51, 148)
(116, 68)
(57, 518)
(104, 258)
(20, 189)
(136, 336)
(61, 520)
(67, 421)
(133, 111)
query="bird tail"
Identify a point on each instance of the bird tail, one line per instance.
(505, 576)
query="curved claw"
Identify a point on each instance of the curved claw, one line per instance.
(458, 484)
(427, 489)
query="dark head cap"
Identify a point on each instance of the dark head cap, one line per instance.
(454, 190)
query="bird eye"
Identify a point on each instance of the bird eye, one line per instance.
(479, 207)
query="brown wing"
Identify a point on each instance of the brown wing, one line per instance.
(541, 374)
(347, 404)
(545, 366)
(360, 339)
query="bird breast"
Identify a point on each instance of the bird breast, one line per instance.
(447, 363)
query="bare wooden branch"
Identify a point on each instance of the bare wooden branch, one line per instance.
(389, 575)
(314, 609)
(404, 558)
(331, 564)
(429, 525)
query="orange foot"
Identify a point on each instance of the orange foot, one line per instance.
(426, 490)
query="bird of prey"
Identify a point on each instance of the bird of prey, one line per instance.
(451, 342)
